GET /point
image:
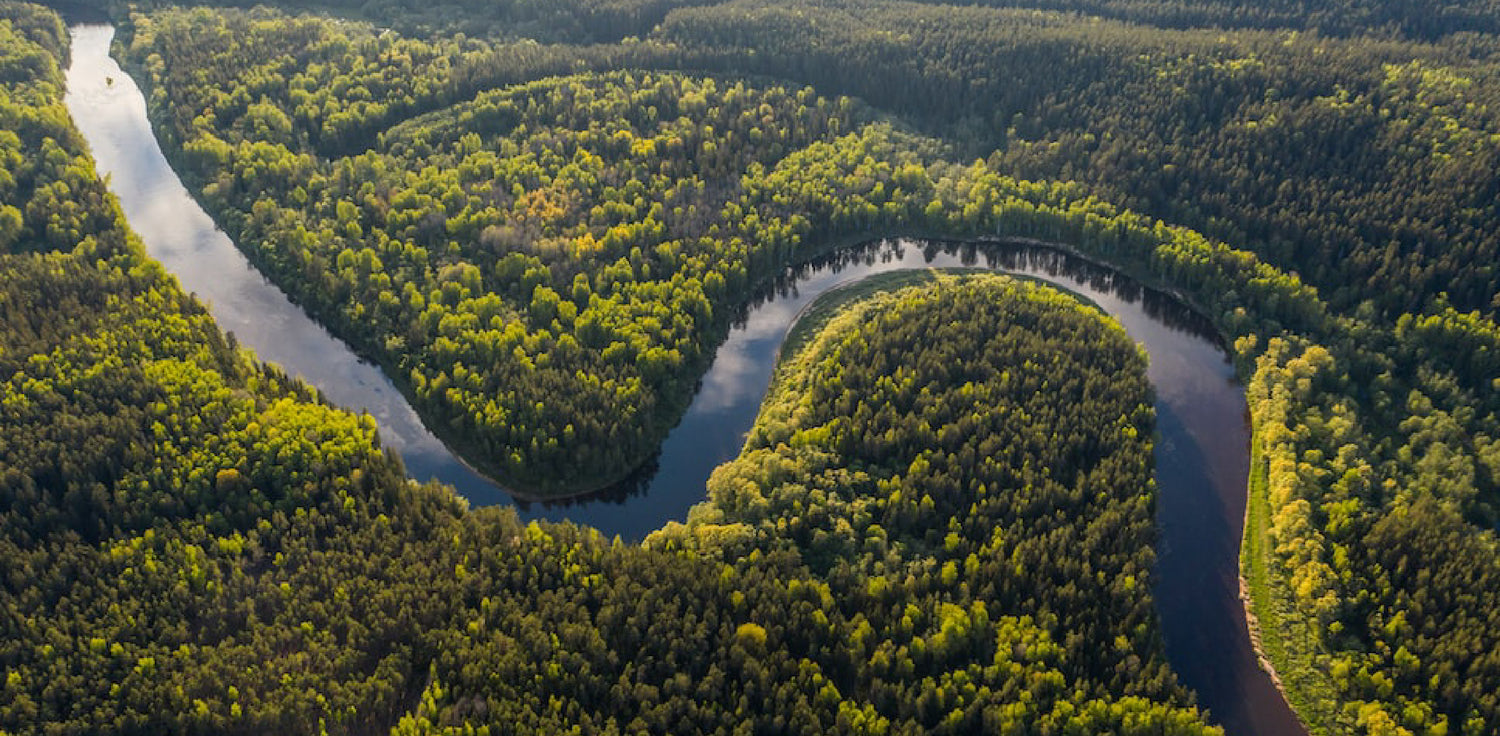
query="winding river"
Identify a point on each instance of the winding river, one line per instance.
(1201, 449)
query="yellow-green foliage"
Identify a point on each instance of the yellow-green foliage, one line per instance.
(545, 262)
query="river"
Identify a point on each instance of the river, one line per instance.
(1201, 451)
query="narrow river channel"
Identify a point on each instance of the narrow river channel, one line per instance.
(1201, 449)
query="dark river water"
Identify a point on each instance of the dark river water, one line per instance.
(1201, 451)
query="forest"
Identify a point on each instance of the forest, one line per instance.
(520, 198)
(194, 542)
(541, 218)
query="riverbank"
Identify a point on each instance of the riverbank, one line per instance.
(1274, 623)
(1200, 473)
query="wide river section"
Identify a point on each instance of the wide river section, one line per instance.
(1201, 450)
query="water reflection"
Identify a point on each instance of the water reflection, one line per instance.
(74, 13)
(632, 487)
(1201, 454)
(1182, 345)
(110, 111)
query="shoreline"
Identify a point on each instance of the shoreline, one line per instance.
(1252, 624)
(815, 248)
(1254, 551)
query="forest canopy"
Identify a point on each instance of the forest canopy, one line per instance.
(190, 541)
(543, 239)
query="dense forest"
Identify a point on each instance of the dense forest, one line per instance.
(625, 193)
(1374, 405)
(976, 441)
(542, 264)
(192, 542)
(609, 21)
(543, 240)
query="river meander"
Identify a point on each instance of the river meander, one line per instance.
(1201, 451)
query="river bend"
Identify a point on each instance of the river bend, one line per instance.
(1201, 450)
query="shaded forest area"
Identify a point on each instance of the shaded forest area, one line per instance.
(192, 542)
(521, 191)
(1375, 405)
(611, 21)
(532, 223)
